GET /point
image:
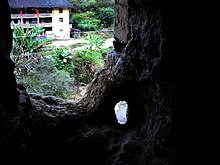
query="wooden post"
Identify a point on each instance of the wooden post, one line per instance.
(38, 18)
(22, 19)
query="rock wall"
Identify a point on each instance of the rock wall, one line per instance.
(13, 131)
(121, 21)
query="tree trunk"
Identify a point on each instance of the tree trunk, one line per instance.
(147, 69)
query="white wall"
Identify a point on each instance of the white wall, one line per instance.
(60, 29)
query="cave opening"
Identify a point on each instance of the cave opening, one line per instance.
(61, 67)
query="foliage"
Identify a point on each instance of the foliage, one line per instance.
(89, 60)
(86, 5)
(90, 14)
(63, 60)
(55, 83)
(86, 21)
(81, 16)
(83, 5)
(94, 49)
(26, 40)
(105, 3)
(36, 71)
(88, 25)
(84, 68)
(106, 15)
(26, 63)
(57, 71)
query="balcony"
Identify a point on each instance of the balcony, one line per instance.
(41, 15)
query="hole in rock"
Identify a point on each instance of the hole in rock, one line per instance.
(121, 112)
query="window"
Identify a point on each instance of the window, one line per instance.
(60, 19)
(60, 10)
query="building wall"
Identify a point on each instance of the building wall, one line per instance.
(59, 28)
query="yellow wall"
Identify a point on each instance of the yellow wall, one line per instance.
(61, 29)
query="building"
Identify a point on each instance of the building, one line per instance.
(53, 15)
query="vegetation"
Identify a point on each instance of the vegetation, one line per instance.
(59, 71)
(89, 60)
(86, 21)
(93, 14)
(106, 15)
(81, 6)
(27, 40)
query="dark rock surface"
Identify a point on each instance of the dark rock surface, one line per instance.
(152, 73)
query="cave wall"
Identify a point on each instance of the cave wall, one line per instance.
(121, 20)
(147, 69)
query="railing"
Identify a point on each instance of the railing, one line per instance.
(14, 16)
(46, 24)
(33, 24)
(45, 14)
